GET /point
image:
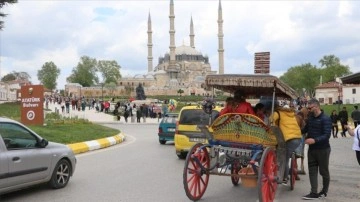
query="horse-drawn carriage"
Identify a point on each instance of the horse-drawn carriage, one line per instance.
(241, 146)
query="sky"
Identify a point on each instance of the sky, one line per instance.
(62, 31)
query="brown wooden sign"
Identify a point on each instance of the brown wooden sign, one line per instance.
(32, 105)
(262, 63)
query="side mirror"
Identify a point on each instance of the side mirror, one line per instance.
(43, 143)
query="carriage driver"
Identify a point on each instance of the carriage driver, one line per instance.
(284, 118)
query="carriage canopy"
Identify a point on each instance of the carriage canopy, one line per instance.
(253, 85)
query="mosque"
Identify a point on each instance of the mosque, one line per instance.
(183, 67)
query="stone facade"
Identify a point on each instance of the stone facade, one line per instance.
(183, 67)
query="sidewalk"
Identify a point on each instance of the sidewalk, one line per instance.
(100, 118)
(97, 117)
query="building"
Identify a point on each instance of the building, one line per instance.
(10, 91)
(345, 89)
(351, 88)
(329, 93)
(183, 67)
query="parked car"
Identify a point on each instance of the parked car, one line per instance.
(167, 127)
(27, 159)
(187, 133)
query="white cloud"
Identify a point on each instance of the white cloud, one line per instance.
(295, 32)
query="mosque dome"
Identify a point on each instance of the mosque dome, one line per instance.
(150, 73)
(199, 79)
(161, 72)
(187, 50)
(138, 76)
(149, 76)
(127, 76)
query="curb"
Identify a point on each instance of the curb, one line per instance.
(82, 147)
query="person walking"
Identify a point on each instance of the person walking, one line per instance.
(334, 120)
(67, 105)
(356, 145)
(138, 114)
(355, 115)
(318, 129)
(343, 116)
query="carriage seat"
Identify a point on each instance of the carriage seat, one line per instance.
(242, 128)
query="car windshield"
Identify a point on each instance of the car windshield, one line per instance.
(196, 117)
(169, 120)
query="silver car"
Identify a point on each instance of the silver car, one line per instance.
(27, 159)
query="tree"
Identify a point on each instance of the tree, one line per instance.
(305, 76)
(111, 87)
(85, 72)
(180, 91)
(331, 68)
(48, 75)
(22, 76)
(8, 77)
(2, 15)
(129, 89)
(110, 71)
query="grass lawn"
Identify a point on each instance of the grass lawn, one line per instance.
(57, 130)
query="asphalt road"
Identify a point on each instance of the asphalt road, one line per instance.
(140, 169)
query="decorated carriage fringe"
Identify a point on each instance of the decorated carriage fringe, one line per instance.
(243, 128)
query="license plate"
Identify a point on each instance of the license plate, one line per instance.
(197, 139)
(171, 129)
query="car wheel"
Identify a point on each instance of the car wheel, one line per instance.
(162, 141)
(61, 174)
(182, 155)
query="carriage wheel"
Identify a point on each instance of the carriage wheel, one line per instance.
(267, 176)
(293, 171)
(196, 178)
(235, 168)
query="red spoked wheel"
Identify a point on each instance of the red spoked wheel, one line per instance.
(196, 172)
(293, 171)
(267, 176)
(235, 168)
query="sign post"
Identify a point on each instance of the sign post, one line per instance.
(262, 63)
(32, 105)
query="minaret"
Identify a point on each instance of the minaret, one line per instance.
(192, 35)
(150, 57)
(172, 36)
(221, 37)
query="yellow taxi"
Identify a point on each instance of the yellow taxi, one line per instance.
(187, 133)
